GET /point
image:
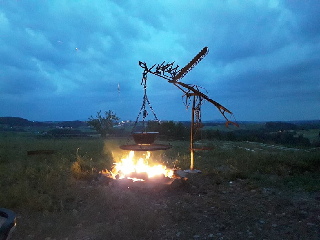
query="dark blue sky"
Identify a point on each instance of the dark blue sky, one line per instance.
(64, 60)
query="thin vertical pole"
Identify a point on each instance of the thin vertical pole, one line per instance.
(192, 123)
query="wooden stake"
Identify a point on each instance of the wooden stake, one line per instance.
(192, 124)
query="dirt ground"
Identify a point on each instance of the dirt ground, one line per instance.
(199, 208)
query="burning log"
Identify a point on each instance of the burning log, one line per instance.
(141, 182)
(159, 178)
(135, 175)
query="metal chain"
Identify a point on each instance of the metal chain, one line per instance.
(155, 116)
(143, 107)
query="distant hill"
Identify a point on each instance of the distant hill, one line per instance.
(271, 126)
(21, 122)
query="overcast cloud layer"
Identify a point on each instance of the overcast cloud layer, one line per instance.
(64, 60)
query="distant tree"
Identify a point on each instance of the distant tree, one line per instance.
(302, 141)
(280, 126)
(103, 125)
(153, 126)
(169, 130)
(181, 132)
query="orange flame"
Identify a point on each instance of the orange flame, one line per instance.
(129, 168)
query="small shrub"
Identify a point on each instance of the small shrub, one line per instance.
(87, 168)
(83, 168)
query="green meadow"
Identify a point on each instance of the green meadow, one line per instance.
(45, 182)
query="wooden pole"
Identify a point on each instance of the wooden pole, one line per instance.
(192, 124)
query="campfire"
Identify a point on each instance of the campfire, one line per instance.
(138, 169)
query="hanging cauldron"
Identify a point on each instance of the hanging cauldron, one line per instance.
(144, 137)
(145, 142)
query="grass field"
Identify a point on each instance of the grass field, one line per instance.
(42, 182)
(50, 183)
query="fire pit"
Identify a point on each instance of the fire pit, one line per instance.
(140, 172)
(138, 168)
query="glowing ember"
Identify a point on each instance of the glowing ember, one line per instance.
(138, 170)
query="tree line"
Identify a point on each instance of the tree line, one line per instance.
(273, 132)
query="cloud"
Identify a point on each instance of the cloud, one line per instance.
(66, 59)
